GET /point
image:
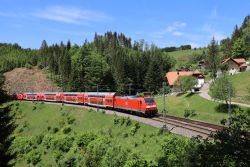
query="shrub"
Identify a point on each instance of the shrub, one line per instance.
(122, 120)
(21, 146)
(128, 121)
(137, 125)
(62, 143)
(66, 129)
(70, 120)
(34, 108)
(39, 139)
(173, 152)
(104, 111)
(133, 130)
(34, 157)
(135, 160)
(47, 140)
(115, 156)
(125, 134)
(189, 113)
(95, 152)
(84, 139)
(116, 120)
(27, 65)
(68, 161)
(55, 130)
(57, 155)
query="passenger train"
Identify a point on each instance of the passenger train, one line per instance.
(107, 100)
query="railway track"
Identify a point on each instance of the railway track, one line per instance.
(177, 125)
(199, 127)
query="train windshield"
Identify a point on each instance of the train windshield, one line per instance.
(149, 100)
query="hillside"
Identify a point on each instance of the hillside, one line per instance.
(27, 80)
(56, 134)
(241, 83)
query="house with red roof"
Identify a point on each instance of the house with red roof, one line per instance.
(235, 65)
(172, 77)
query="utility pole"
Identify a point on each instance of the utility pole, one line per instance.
(130, 88)
(164, 106)
(97, 90)
(229, 104)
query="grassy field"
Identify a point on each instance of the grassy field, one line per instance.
(241, 82)
(184, 55)
(206, 110)
(34, 119)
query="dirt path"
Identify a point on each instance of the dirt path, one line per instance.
(204, 93)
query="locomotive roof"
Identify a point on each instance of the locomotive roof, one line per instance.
(129, 97)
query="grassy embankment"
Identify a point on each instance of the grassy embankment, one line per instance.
(205, 110)
(34, 119)
(241, 83)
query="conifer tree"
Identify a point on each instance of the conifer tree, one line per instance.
(213, 58)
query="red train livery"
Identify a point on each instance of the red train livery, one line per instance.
(134, 104)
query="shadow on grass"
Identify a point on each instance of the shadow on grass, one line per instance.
(190, 94)
(223, 108)
(180, 94)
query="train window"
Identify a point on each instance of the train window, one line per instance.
(149, 100)
(109, 100)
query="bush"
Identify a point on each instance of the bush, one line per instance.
(173, 152)
(39, 139)
(125, 134)
(84, 139)
(62, 143)
(34, 157)
(34, 108)
(96, 151)
(116, 120)
(189, 113)
(55, 130)
(27, 65)
(122, 120)
(135, 160)
(128, 121)
(66, 129)
(104, 111)
(115, 156)
(68, 161)
(21, 146)
(133, 130)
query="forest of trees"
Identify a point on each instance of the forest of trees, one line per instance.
(112, 61)
(238, 45)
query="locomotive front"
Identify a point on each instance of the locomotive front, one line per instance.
(150, 107)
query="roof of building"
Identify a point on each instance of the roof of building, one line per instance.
(241, 62)
(173, 75)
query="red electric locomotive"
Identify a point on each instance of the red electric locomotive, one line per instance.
(137, 104)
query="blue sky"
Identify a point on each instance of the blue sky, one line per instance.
(162, 22)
